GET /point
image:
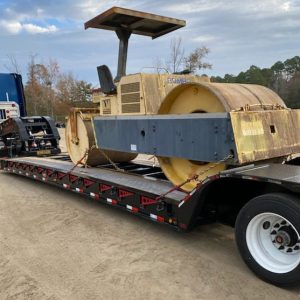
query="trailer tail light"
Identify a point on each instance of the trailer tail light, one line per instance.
(78, 190)
(157, 218)
(66, 186)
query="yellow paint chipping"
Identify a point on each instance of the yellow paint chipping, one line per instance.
(261, 135)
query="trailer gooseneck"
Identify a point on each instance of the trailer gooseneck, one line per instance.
(262, 201)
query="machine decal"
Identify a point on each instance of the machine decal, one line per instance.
(174, 80)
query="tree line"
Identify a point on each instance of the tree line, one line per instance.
(282, 77)
(49, 91)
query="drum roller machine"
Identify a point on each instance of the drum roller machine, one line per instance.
(189, 123)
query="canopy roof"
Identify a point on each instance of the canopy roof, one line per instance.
(136, 22)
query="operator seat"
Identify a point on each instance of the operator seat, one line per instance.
(106, 81)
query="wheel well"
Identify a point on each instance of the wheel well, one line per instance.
(295, 161)
(224, 198)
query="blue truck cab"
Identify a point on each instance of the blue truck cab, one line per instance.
(12, 98)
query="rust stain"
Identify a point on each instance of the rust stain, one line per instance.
(261, 135)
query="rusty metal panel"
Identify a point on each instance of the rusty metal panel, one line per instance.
(261, 135)
(153, 93)
(234, 96)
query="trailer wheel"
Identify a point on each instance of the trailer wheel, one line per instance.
(267, 235)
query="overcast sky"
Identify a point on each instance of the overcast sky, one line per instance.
(238, 33)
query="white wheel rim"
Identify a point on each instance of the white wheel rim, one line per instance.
(275, 248)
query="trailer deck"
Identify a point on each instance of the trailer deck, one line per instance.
(104, 174)
(135, 190)
(280, 174)
(142, 190)
(139, 187)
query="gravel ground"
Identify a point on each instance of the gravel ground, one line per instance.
(58, 245)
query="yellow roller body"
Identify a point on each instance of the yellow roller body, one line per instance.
(85, 141)
(208, 98)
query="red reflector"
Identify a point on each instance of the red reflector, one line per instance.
(87, 182)
(104, 187)
(147, 201)
(73, 178)
(111, 201)
(182, 225)
(135, 209)
(160, 219)
(96, 196)
(124, 193)
(60, 175)
(132, 208)
(40, 170)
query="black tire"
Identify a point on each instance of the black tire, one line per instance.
(258, 209)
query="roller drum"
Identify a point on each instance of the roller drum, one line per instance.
(209, 98)
(85, 141)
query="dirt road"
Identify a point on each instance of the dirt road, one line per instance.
(58, 245)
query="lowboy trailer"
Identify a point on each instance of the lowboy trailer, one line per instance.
(217, 144)
(261, 201)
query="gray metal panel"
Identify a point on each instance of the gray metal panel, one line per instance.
(201, 137)
(280, 172)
